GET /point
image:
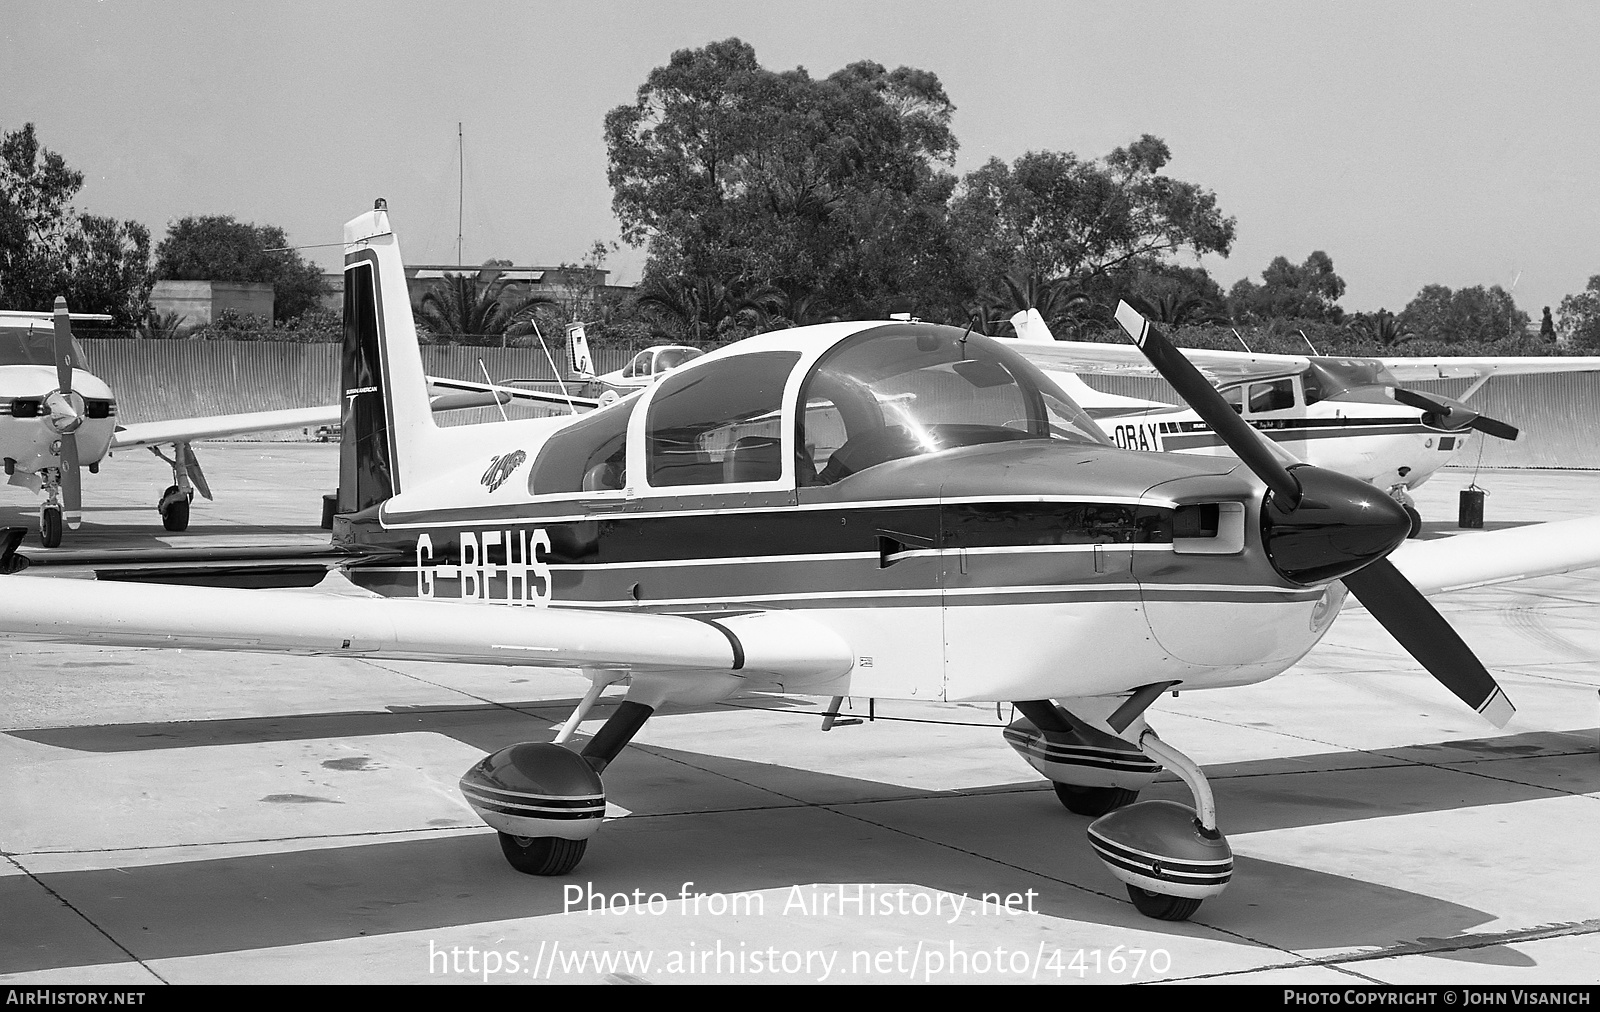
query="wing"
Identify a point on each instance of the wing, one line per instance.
(1220, 367)
(450, 394)
(338, 619)
(1520, 553)
(188, 430)
(1415, 369)
(444, 395)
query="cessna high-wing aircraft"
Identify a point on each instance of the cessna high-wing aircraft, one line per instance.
(871, 509)
(57, 418)
(1347, 414)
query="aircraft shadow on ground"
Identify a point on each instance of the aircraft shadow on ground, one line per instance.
(732, 825)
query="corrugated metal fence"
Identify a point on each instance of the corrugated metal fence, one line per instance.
(1559, 414)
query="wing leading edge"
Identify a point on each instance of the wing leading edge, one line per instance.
(331, 620)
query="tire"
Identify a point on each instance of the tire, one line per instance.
(543, 855)
(176, 516)
(1093, 800)
(50, 527)
(1416, 520)
(1163, 908)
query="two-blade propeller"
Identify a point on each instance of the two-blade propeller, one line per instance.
(1319, 525)
(1444, 413)
(66, 414)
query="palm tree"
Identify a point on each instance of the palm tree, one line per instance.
(698, 309)
(461, 306)
(1058, 300)
(1386, 329)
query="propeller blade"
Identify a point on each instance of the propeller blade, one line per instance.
(1264, 458)
(1417, 625)
(1493, 427)
(1451, 415)
(1337, 527)
(71, 482)
(63, 346)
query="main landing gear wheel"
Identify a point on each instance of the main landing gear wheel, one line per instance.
(50, 527)
(1093, 800)
(1163, 908)
(1416, 520)
(175, 514)
(543, 855)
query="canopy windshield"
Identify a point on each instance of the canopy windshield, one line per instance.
(899, 391)
(31, 346)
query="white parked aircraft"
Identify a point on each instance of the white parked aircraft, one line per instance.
(889, 509)
(1347, 414)
(57, 418)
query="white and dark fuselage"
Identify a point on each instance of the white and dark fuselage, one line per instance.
(1385, 443)
(932, 499)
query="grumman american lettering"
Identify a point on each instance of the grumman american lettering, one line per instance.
(880, 509)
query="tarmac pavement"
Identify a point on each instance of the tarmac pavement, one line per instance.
(192, 817)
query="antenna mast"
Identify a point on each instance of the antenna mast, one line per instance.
(461, 184)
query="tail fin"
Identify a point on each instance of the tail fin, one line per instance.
(1030, 326)
(580, 364)
(387, 423)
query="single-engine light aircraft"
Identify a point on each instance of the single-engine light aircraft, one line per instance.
(57, 418)
(642, 369)
(1343, 413)
(889, 509)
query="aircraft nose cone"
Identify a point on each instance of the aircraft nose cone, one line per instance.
(1340, 525)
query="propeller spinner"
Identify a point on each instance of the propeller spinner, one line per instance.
(1320, 525)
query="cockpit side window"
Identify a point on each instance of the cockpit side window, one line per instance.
(587, 456)
(1275, 396)
(719, 422)
(639, 365)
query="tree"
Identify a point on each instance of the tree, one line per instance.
(221, 248)
(1310, 291)
(1057, 215)
(1470, 314)
(48, 249)
(1580, 316)
(1382, 327)
(743, 177)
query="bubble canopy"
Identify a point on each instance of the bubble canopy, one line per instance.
(900, 391)
(781, 409)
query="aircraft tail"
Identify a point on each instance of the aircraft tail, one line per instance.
(388, 427)
(1030, 326)
(580, 364)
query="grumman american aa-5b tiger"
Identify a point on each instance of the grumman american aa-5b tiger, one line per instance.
(882, 509)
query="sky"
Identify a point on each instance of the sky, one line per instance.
(1416, 143)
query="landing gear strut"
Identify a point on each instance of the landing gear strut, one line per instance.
(1092, 771)
(1170, 856)
(545, 800)
(50, 512)
(186, 477)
